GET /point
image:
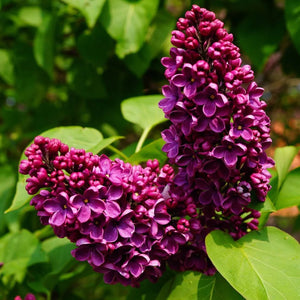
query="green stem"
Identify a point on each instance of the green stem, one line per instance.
(142, 139)
(117, 151)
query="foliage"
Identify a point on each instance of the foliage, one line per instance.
(66, 63)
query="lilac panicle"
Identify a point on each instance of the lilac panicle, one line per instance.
(115, 212)
(218, 135)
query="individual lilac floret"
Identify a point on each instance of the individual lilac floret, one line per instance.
(229, 151)
(217, 138)
(210, 98)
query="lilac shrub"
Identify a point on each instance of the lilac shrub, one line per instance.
(129, 222)
(114, 212)
(218, 135)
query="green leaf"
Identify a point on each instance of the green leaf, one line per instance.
(8, 181)
(265, 209)
(44, 42)
(104, 143)
(292, 16)
(182, 286)
(91, 9)
(158, 33)
(215, 288)
(149, 290)
(283, 158)
(31, 16)
(6, 67)
(18, 251)
(273, 193)
(59, 253)
(143, 111)
(127, 22)
(76, 136)
(21, 196)
(289, 194)
(150, 151)
(85, 80)
(95, 46)
(262, 265)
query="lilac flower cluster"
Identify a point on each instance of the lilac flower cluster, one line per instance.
(114, 212)
(218, 135)
(128, 221)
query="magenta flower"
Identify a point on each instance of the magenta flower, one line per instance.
(210, 98)
(59, 209)
(87, 203)
(229, 151)
(187, 81)
(122, 226)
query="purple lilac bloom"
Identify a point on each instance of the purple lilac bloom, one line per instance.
(114, 212)
(128, 222)
(217, 137)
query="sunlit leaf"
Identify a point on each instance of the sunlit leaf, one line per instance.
(91, 9)
(289, 194)
(150, 151)
(143, 111)
(104, 143)
(182, 286)
(76, 136)
(283, 158)
(262, 265)
(215, 288)
(31, 16)
(18, 251)
(158, 33)
(127, 22)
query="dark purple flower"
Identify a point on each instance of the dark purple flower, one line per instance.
(187, 81)
(110, 170)
(172, 140)
(172, 240)
(209, 192)
(172, 95)
(91, 252)
(183, 118)
(136, 265)
(87, 203)
(123, 226)
(229, 151)
(210, 98)
(59, 209)
(241, 127)
(174, 62)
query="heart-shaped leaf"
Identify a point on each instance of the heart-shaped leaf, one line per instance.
(262, 265)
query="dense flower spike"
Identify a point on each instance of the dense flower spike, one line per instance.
(113, 211)
(217, 137)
